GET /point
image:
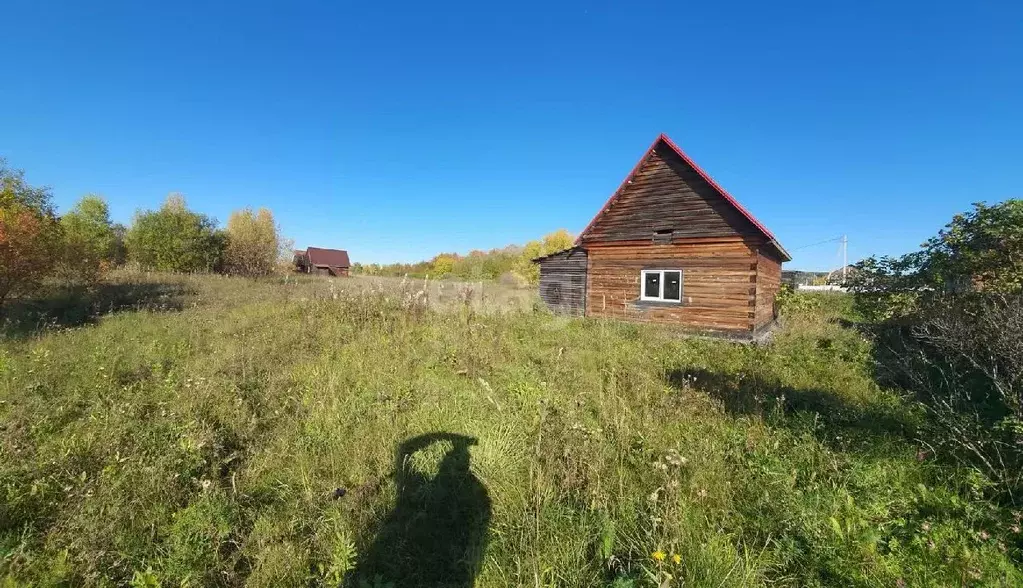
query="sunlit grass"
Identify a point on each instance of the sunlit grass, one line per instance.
(203, 436)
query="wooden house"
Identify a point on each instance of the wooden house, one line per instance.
(327, 262)
(670, 246)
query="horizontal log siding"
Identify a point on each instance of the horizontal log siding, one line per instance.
(719, 282)
(768, 284)
(667, 195)
(563, 282)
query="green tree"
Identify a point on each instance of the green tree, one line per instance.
(88, 243)
(979, 249)
(28, 233)
(983, 247)
(254, 243)
(174, 238)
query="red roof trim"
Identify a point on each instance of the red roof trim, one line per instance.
(678, 151)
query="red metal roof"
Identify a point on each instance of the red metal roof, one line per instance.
(662, 138)
(327, 257)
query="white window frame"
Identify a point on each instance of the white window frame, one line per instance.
(661, 282)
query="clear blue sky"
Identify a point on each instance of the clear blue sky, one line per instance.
(399, 131)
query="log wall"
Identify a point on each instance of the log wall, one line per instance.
(719, 282)
(563, 282)
(768, 284)
(668, 200)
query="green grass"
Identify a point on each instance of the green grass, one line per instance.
(200, 434)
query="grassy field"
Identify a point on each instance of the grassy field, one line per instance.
(215, 431)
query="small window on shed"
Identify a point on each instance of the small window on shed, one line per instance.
(661, 285)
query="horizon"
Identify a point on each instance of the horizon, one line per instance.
(399, 134)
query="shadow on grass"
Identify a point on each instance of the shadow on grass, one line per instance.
(62, 308)
(437, 532)
(835, 421)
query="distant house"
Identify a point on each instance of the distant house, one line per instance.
(670, 246)
(327, 262)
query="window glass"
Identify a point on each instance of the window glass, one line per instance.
(652, 285)
(672, 285)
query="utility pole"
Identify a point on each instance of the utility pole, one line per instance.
(845, 256)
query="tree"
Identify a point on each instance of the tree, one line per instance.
(558, 240)
(28, 233)
(175, 239)
(88, 241)
(979, 249)
(982, 247)
(254, 243)
(443, 264)
(119, 254)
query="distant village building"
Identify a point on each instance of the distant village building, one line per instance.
(670, 246)
(327, 262)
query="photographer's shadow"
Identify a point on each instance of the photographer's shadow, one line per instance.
(437, 533)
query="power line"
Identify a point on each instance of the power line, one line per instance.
(838, 238)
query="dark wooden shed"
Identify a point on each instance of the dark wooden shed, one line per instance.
(672, 246)
(563, 281)
(327, 262)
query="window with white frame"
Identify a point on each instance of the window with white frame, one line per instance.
(662, 285)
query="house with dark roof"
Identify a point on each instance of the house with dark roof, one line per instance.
(327, 262)
(670, 246)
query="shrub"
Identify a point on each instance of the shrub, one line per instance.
(254, 243)
(951, 329)
(175, 239)
(964, 359)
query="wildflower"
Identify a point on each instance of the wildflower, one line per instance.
(926, 526)
(658, 555)
(676, 559)
(702, 492)
(1014, 528)
(984, 536)
(675, 459)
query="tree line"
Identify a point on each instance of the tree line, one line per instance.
(78, 247)
(512, 264)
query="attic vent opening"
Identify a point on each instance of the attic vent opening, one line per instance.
(663, 236)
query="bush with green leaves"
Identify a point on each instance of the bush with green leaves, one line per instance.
(176, 239)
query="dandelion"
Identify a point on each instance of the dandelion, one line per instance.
(676, 559)
(658, 555)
